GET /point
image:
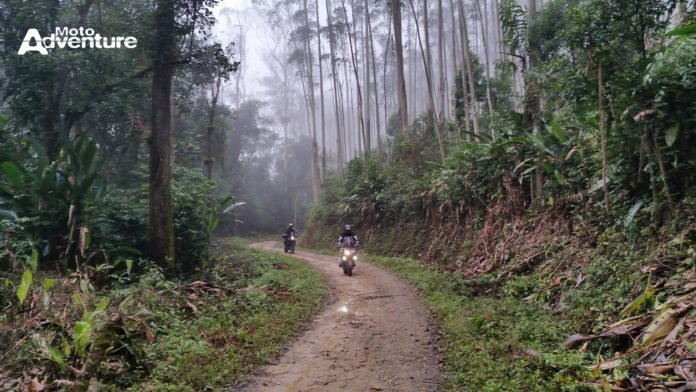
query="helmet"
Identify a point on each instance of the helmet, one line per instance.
(291, 225)
(348, 228)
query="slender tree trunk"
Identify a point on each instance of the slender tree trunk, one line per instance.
(454, 66)
(321, 94)
(469, 69)
(429, 59)
(603, 134)
(533, 102)
(411, 67)
(344, 125)
(429, 82)
(401, 81)
(285, 123)
(465, 87)
(210, 130)
(384, 83)
(441, 63)
(336, 86)
(316, 175)
(349, 126)
(366, 83)
(374, 85)
(484, 36)
(161, 223)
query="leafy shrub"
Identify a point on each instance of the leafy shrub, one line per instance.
(15, 241)
(119, 223)
(195, 207)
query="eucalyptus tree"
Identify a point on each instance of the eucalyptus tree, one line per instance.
(212, 67)
(354, 63)
(320, 60)
(470, 95)
(400, 80)
(306, 36)
(427, 63)
(340, 129)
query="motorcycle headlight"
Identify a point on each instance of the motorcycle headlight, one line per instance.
(346, 252)
(355, 257)
(344, 258)
(292, 238)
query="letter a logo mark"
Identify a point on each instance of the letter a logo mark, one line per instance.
(27, 46)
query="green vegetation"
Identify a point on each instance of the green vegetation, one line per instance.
(148, 332)
(493, 343)
(568, 215)
(552, 194)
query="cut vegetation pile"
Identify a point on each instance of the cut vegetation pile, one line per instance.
(661, 351)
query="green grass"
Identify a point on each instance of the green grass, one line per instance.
(493, 343)
(272, 297)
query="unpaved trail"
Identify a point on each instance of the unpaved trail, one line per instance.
(375, 335)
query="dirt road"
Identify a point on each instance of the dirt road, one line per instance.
(375, 335)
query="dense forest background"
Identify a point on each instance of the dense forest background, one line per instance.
(544, 150)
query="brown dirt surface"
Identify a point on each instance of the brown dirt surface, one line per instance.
(374, 335)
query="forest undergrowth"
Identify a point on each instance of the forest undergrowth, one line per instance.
(545, 299)
(138, 329)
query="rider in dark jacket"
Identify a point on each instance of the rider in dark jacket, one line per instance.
(290, 230)
(347, 232)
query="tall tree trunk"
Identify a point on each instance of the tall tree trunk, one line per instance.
(336, 85)
(484, 36)
(469, 69)
(366, 83)
(321, 94)
(454, 66)
(316, 175)
(465, 87)
(429, 59)
(349, 127)
(384, 83)
(374, 85)
(441, 63)
(429, 82)
(533, 101)
(161, 224)
(603, 134)
(401, 81)
(210, 129)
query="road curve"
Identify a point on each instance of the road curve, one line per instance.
(375, 335)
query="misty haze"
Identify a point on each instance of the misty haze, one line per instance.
(348, 195)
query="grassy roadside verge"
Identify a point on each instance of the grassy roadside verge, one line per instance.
(273, 296)
(492, 343)
(151, 332)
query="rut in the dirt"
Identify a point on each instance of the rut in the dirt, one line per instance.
(374, 336)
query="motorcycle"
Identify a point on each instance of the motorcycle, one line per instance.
(348, 259)
(289, 243)
(348, 256)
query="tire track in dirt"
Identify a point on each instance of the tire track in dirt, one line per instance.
(375, 335)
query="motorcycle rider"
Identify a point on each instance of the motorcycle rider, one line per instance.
(288, 232)
(347, 233)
